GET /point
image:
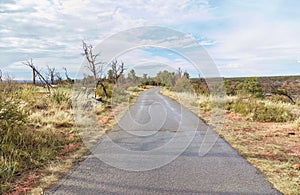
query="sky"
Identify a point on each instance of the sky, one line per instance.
(243, 38)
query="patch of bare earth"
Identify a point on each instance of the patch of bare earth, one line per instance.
(274, 148)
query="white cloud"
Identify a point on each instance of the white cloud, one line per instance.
(42, 63)
(257, 43)
(233, 65)
(251, 34)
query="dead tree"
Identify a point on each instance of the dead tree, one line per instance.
(179, 72)
(69, 80)
(283, 93)
(95, 67)
(66, 73)
(117, 70)
(29, 63)
(0, 76)
(51, 74)
(59, 78)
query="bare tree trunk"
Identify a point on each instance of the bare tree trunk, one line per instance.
(179, 72)
(67, 76)
(284, 93)
(99, 83)
(117, 70)
(0, 76)
(96, 68)
(51, 74)
(33, 76)
(58, 78)
(42, 79)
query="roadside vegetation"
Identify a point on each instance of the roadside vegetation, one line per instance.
(35, 128)
(40, 139)
(261, 122)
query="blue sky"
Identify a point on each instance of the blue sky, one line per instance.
(244, 38)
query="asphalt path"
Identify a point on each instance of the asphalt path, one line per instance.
(160, 147)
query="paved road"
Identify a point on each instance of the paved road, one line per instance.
(157, 130)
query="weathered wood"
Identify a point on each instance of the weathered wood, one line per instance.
(36, 72)
(117, 70)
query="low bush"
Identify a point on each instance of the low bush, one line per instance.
(108, 88)
(250, 87)
(257, 110)
(183, 85)
(23, 147)
(61, 98)
(205, 106)
(20, 148)
(280, 99)
(254, 109)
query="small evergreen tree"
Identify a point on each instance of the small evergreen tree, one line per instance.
(251, 86)
(132, 76)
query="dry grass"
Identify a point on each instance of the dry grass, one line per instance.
(44, 135)
(56, 169)
(104, 115)
(272, 147)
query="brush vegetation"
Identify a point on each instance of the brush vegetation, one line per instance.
(260, 123)
(34, 129)
(37, 129)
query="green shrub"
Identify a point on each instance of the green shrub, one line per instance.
(212, 103)
(60, 97)
(108, 88)
(21, 147)
(205, 106)
(228, 87)
(183, 85)
(260, 111)
(12, 126)
(250, 86)
(254, 109)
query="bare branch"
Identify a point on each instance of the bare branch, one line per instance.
(30, 64)
(69, 80)
(36, 72)
(51, 73)
(95, 67)
(66, 73)
(179, 72)
(59, 78)
(117, 70)
(283, 93)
